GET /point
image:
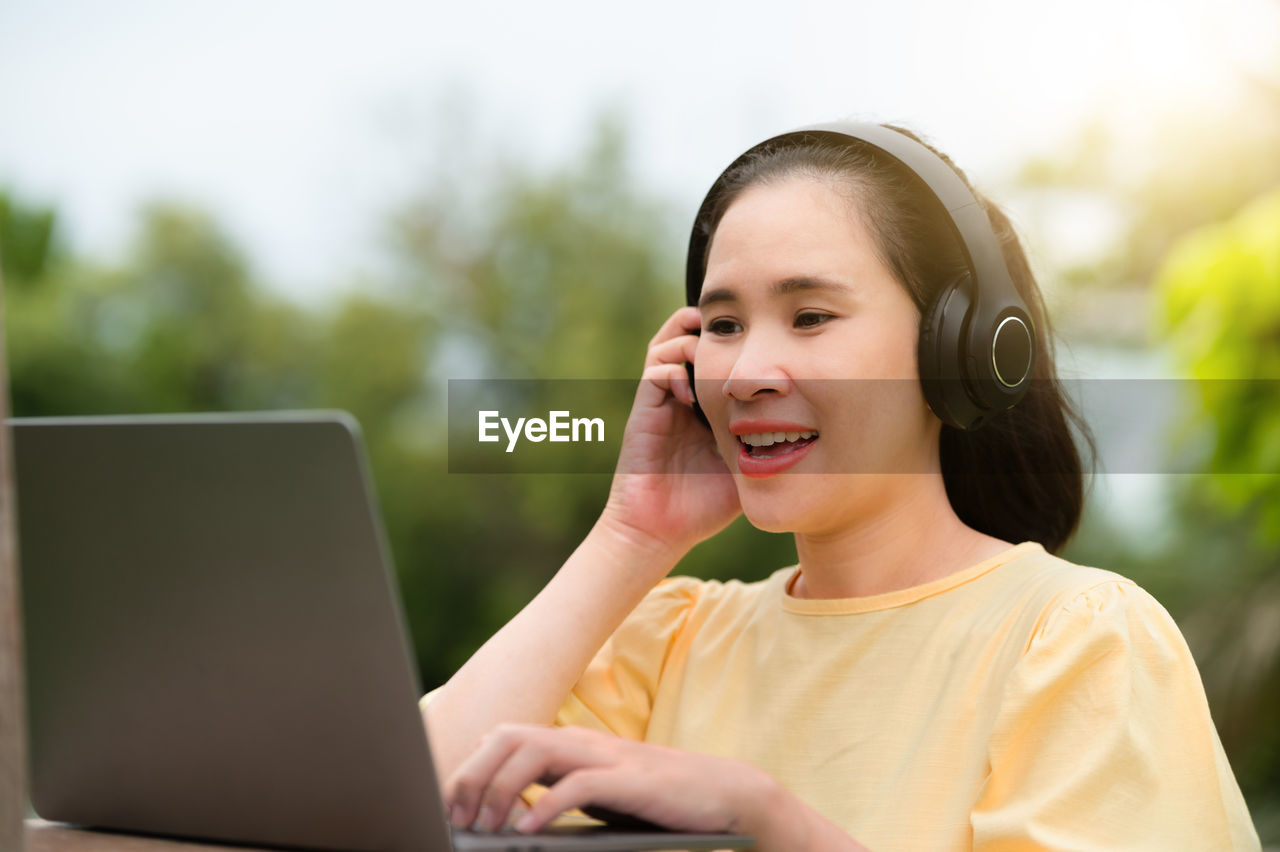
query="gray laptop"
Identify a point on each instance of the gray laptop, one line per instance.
(215, 645)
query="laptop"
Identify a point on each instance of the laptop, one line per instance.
(215, 645)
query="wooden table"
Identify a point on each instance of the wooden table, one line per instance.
(54, 837)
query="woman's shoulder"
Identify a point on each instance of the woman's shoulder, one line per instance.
(686, 590)
(1056, 581)
(682, 594)
(679, 603)
(1072, 600)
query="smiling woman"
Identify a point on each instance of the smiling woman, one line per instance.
(873, 361)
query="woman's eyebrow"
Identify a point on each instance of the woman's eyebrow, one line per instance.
(785, 287)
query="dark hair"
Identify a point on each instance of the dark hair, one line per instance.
(1019, 477)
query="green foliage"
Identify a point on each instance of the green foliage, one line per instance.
(563, 275)
(177, 326)
(26, 240)
(1218, 303)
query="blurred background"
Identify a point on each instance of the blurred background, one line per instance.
(233, 205)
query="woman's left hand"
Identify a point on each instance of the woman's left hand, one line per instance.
(676, 789)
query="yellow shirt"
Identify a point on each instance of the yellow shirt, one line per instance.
(1022, 703)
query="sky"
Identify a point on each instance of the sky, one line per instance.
(300, 125)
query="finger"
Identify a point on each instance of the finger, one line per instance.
(662, 379)
(596, 786)
(465, 788)
(676, 350)
(531, 762)
(682, 321)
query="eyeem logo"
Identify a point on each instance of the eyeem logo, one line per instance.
(560, 427)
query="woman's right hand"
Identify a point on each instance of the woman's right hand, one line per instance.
(671, 488)
(670, 491)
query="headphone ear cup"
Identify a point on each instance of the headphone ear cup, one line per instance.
(942, 356)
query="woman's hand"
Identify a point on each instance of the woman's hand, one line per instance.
(676, 789)
(671, 486)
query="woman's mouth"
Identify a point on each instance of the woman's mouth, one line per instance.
(762, 454)
(767, 445)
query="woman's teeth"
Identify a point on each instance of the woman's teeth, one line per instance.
(768, 439)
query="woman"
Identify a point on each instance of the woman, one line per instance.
(928, 676)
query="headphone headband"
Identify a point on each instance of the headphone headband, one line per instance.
(982, 343)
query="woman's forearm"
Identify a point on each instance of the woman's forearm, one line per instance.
(523, 673)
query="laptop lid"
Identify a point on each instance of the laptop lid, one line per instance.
(213, 642)
(215, 645)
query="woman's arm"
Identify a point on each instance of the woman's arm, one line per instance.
(524, 672)
(671, 490)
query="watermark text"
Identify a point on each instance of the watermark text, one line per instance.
(560, 426)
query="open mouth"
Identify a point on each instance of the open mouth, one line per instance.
(767, 445)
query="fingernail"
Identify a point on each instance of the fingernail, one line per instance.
(488, 820)
(525, 823)
(457, 816)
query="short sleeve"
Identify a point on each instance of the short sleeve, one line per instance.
(616, 691)
(1104, 740)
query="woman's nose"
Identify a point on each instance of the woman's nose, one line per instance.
(757, 369)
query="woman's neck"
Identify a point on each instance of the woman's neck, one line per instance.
(913, 538)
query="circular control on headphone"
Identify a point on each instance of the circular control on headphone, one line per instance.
(1011, 351)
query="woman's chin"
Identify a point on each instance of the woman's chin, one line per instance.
(775, 505)
(806, 503)
(770, 525)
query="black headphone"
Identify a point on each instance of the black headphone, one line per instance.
(977, 340)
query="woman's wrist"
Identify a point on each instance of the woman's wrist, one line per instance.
(769, 813)
(781, 822)
(632, 546)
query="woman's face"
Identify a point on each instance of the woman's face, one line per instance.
(805, 330)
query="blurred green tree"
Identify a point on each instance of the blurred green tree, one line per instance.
(1218, 305)
(26, 239)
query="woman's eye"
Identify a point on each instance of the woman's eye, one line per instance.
(811, 320)
(723, 326)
